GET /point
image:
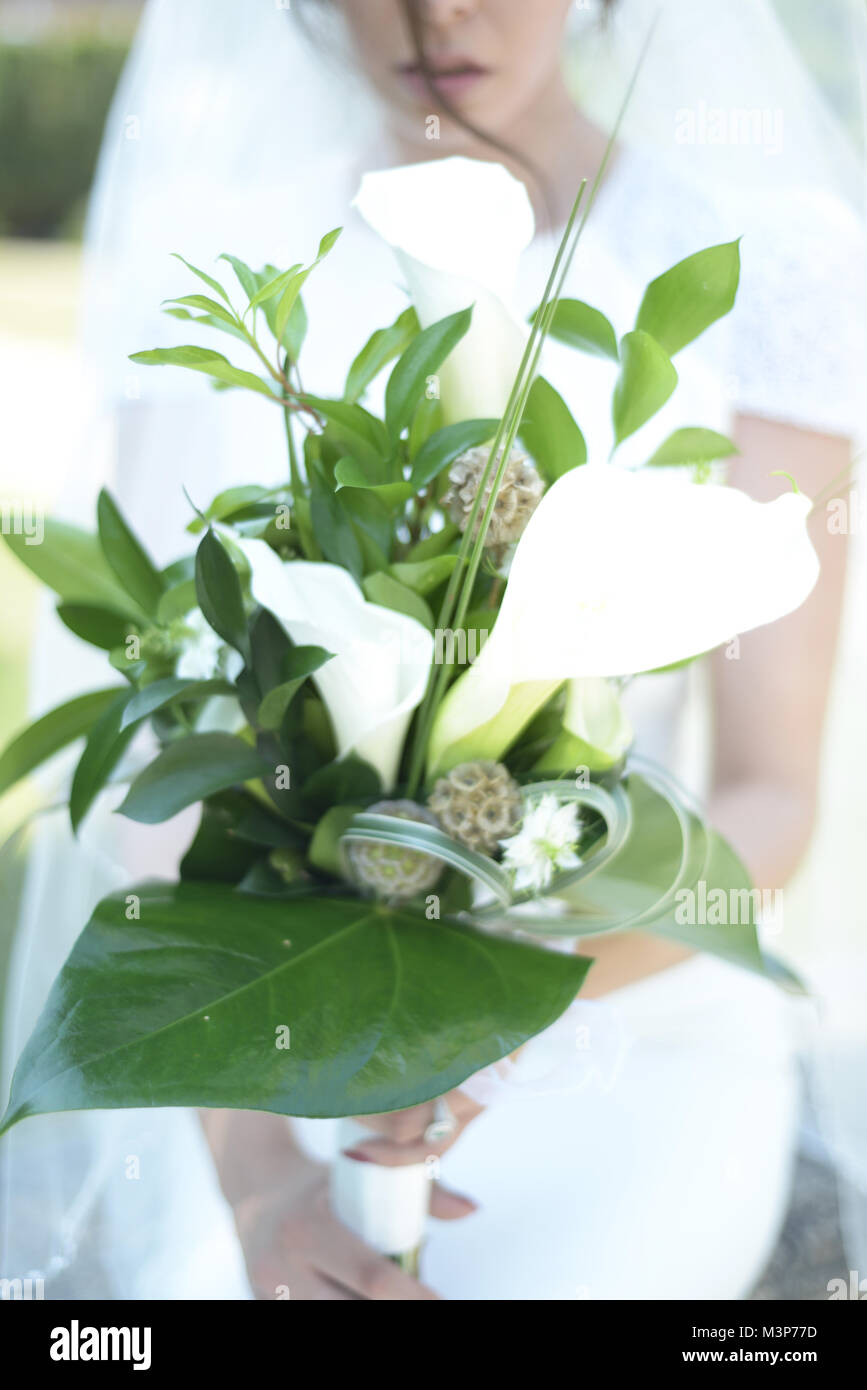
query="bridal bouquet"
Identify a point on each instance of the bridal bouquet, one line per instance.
(392, 684)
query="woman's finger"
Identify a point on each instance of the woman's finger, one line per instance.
(446, 1205)
(353, 1266)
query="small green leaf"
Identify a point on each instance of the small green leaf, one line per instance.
(348, 472)
(647, 379)
(335, 533)
(389, 593)
(580, 326)
(347, 779)
(198, 359)
(295, 284)
(692, 446)
(208, 306)
(106, 745)
(52, 732)
(679, 305)
(208, 279)
(550, 432)
(298, 664)
(246, 277)
(177, 602)
(160, 693)
(326, 852)
(127, 557)
(441, 449)
(101, 627)
(423, 358)
(187, 771)
(354, 428)
(218, 590)
(380, 349)
(424, 575)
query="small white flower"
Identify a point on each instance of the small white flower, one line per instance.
(205, 655)
(546, 841)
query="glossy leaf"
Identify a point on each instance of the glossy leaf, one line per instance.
(692, 446)
(348, 472)
(551, 433)
(202, 275)
(362, 434)
(441, 449)
(186, 772)
(227, 974)
(581, 326)
(218, 590)
(106, 744)
(422, 359)
(160, 693)
(127, 557)
(381, 348)
(52, 732)
(679, 305)
(647, 380)
(298, 664)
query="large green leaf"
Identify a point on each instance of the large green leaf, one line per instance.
(445, 445)
(99, 626)
(163, 692)
(55, 730)
(424, 356)
(581, 326)
(132, 565)
(647, 379)
(187, 771)
(687, 299)
(389, 593)
(550, 432)
(380, 349)
(71, 562)
(190, 1003)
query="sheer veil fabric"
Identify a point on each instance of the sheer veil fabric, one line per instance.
(235, 130)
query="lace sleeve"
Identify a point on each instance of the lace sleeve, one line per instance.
(798, 327)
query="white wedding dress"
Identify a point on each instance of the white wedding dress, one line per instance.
(663, 1171)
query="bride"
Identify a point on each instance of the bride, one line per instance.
(663, 1169)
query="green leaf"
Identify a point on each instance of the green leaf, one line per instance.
(348, 472)
(177, 602)
(385, 1009)
(679, 305)
(423, 576)
(218, 590)
(580, 326)
(295, 331)
(360, 432)
(388, 593)
(270, 286)
(199, 359)
(380, 349)
(435, 544)
(550, 433)
(647, 379)
(99, 626)
(334, 532)
(71, 562)
(208, 279)
(224, 324)
(53, 731)
(692, 446)
(298, 664)
(423, 358)
(106, 745)
(292, 290)
(338, 783)
(208, 306)
(246, 277)
(186, 772)
(127, 557)
(326, 852)
(160, 693)
(441, 449)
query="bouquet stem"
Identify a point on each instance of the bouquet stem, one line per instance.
(386, 1207)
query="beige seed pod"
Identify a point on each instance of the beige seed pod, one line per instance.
(478, 804)
(519, 495)
(390, 871)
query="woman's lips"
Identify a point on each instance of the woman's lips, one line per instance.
(451, 79)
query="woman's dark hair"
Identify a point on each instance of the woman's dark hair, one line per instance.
(415, 25)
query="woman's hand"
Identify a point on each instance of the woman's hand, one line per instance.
(296, 1248)
(400, 1134)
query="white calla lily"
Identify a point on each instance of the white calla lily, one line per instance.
(379, 670)
(458, 228)
(618, 573)
(596, 732)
